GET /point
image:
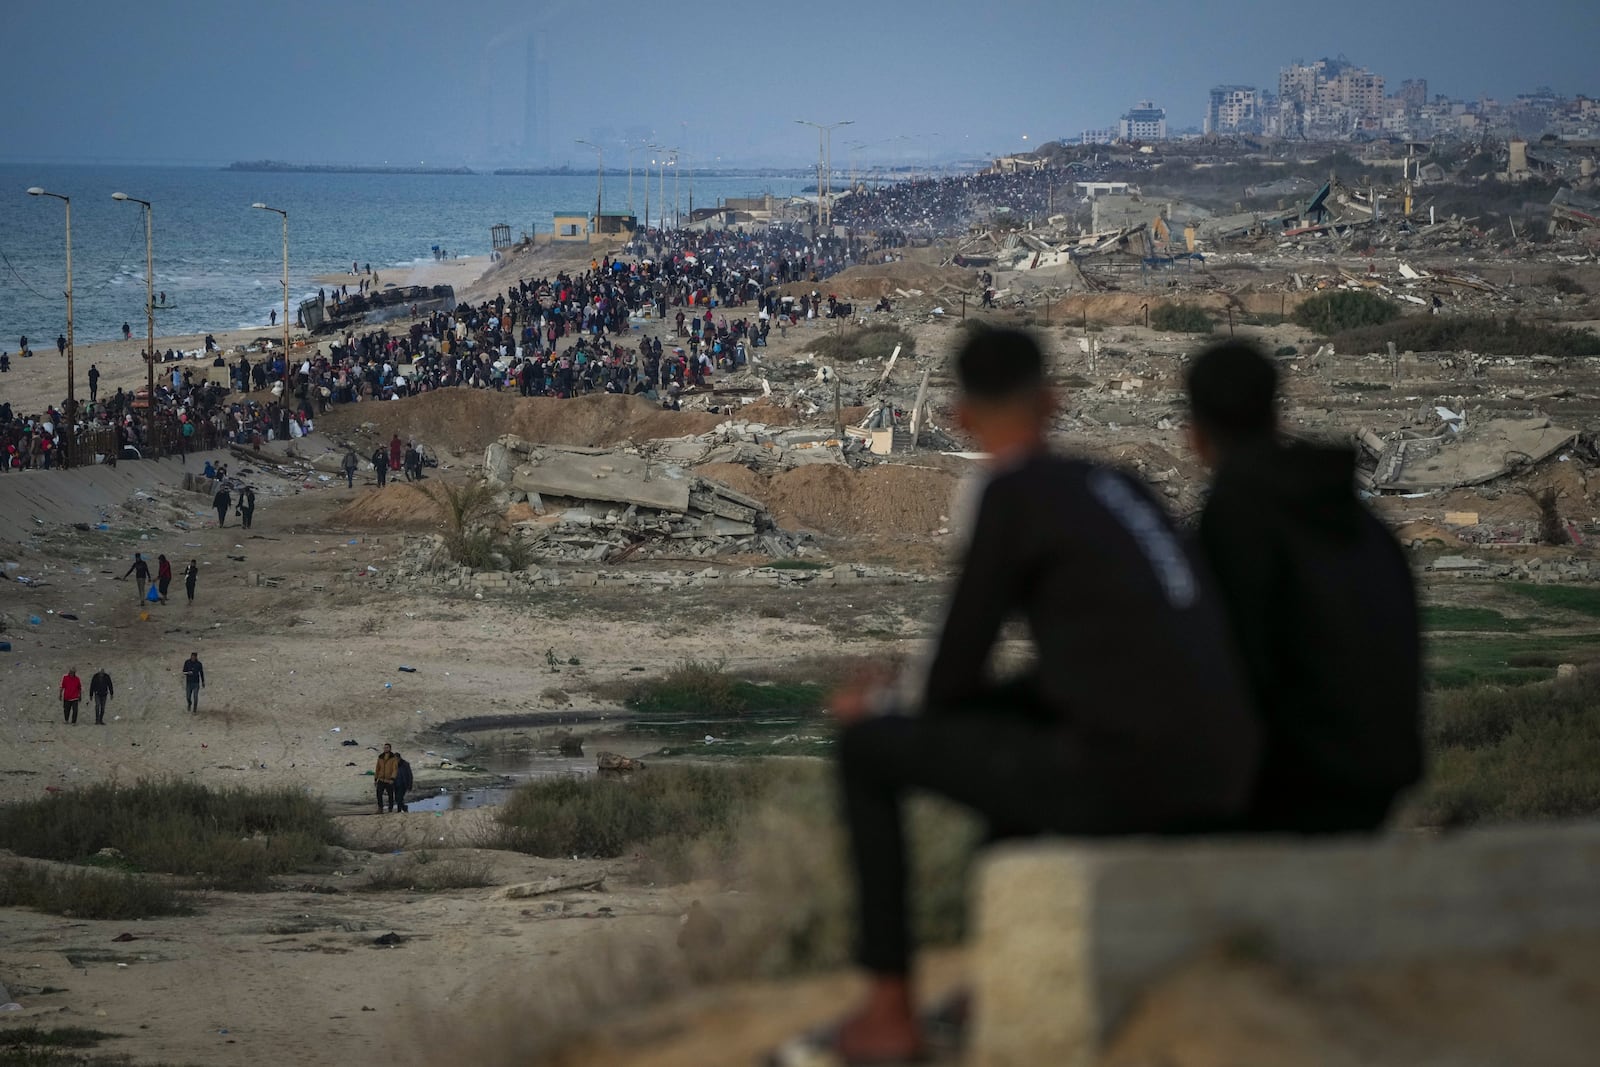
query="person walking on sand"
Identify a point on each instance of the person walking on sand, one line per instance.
(141, 574)
(191, 574)
(163, 576)
(194, 680)
(100, 691)
(94, 383)
(396, 452)
(380, 464)
(402, 782)
(351, 462)
(221, 502)
(247, 506)
(384, 775)
(71, 693)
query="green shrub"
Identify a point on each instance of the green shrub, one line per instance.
(1529, 753)
(89, 894)
(472, 548)
(1180, 318)
(1565, 284)
(1491, 336)
(1337, 312)
(222, 838)
(605, 817)
(1286, 350)
(701, 687)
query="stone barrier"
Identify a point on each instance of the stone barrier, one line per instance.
(1068, 934)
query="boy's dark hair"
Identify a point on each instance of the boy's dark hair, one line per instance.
(999, 364)
(1232, 389)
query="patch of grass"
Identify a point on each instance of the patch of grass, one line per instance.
(796, 565)
(1335, 313)
(1564, 284)
(606, 817)
(1492, 336)
(61, 1037)
(220, 838)
(1529, 753)
(867, 342)
(1283, 351)
(1180, 318)
(1583, 600)
(1484, 659)
(89, 894)
(701, 687)
(1441, 617)
(432, 872)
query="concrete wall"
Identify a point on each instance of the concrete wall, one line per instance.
(1068, 935)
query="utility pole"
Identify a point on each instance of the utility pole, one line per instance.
(285, 215)
(824, 167)
(72, 395)
(149, 314)
(599, 179)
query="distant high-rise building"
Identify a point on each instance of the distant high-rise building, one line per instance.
(1145, 122)
(1234, 109)
(1414, 93)
(536, 117)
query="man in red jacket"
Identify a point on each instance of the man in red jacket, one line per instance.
(71, 693)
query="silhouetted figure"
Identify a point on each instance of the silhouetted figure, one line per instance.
(1321, 603)
(1095, 740)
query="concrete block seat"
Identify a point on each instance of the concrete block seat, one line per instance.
(1068, 933)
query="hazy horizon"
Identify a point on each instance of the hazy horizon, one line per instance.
(192, 83)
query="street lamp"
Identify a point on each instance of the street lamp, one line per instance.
(72, 397)
(825, 166)
(631, 150)
(279, 211)
(662, 184)
(149, 317)
(599, 178)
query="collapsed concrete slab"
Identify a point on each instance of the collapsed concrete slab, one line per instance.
(614, 477)
(1069, 934)
(1478, 455)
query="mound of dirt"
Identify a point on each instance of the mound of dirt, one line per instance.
(400, 506)
(882, 279)
(893, 501)
(467, 420)
(1128, 309)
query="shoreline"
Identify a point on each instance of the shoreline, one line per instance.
(36, 383)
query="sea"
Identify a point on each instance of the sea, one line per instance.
(220, 263)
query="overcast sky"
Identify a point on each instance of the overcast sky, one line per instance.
(406, 81)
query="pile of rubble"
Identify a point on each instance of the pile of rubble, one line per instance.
(610, 505)
(423, 560)
(1458, 455)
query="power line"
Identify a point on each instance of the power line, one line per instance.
(19, 276)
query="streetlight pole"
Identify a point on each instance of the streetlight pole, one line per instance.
(599, 179)
(149, 315)
(825, 167)
(661, 191)
(285, 215)
(72, 395)
(631, 151)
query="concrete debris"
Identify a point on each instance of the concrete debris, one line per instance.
(607, 505)
(1476, 455)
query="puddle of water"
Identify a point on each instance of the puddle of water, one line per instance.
(683, 738)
